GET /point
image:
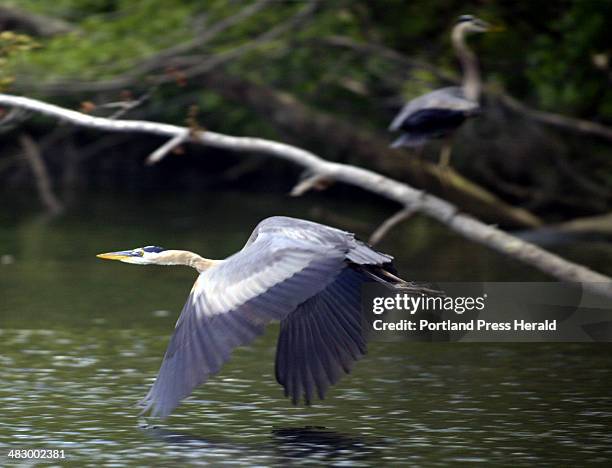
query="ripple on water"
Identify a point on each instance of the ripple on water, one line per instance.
(78, 390)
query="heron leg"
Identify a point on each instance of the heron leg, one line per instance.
(444, 173)
(445, 153)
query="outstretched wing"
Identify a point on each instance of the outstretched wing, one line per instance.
(320, 341)
(231, 303)
(322, 338)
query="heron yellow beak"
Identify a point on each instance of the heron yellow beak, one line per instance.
(496, 28)
(114, 255)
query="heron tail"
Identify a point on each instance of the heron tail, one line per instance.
(410, 140)
(389, 278)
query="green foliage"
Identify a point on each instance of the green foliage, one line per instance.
(110, 36)
(545, 56)
(11, 45)
(561, 65)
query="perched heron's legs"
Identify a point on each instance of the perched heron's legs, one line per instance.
(444, 173)
(445, 152)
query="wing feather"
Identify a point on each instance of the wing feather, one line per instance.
(327, 356)
(308, 364)
(321, 339)
(318, 376)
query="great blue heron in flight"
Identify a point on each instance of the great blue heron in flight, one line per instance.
(440, 112)
(304, 274)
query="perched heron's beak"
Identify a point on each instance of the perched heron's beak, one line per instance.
(484, 26)
(494, 27)
(118, 255)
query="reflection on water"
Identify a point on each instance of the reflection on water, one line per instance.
(285, 446)
(81, 340)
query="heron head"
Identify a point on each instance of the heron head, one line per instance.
(472, 24)
(148, 255)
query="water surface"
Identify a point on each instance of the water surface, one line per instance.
(81, 340)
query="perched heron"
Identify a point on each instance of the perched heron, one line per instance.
(304, 274)
(439, 113)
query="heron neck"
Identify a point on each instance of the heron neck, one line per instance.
(184, 257)
(469, 63)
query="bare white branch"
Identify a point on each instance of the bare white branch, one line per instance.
(401, 193)
(163, 150)
(382, 230)
(316, 182)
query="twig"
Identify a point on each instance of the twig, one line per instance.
(382, 230)
(12, 119)
(127, 106)
(381, 51)
(33, 24)
(316, 182)
(207, 34)
(407, 196)
(41, 176)
(163, 150)
(557, 120)
(231, 54)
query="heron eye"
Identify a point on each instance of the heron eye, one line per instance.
(140, 252)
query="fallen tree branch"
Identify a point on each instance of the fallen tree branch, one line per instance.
(293, 116)
(288, 113)
(403, 194)
(590, 228)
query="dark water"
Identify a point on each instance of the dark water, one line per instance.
(81, 340)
